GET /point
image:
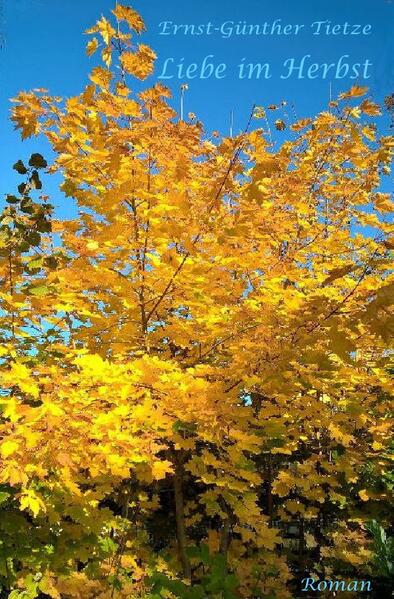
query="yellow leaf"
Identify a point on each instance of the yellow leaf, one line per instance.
(370, 108)
(133, 19)
(376, 446)
(31, 501)
(269, 537)
(92, 245)
(140, 63)
(47, 586)
(213, 540)
(101, 77)
(354, 92)
(92, 46)
(259, 112)
(106, 55)
(106, 30)
(339, 435)
(363, 495)
(161, 469)
(8, 448)
(383, 202)
(301, 124)
(310, 540)
(21, 376)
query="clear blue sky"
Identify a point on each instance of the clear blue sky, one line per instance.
(43, 46)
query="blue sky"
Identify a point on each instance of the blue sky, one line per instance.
(43, 46)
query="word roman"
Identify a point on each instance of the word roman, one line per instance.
(229, 29)
(303, 68)
(311, 584)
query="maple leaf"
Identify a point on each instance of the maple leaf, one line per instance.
(101, 77)
(354, 92)
(92, 46)
(161, 469)
(140, 63)
(30, 500)
(8, 448)
(370, 108)
(133, 19)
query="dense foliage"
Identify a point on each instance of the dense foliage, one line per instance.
(195, 370)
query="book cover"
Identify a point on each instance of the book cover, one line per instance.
(196, 320)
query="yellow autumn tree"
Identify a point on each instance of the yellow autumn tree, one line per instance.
(195, 370)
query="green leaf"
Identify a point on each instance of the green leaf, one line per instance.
(36, 263)
(196, 592)
(193, 552)
(108, 545)
(39, 291)
(4, 496)
(177, 587)
(230, 582)
(205, 554)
